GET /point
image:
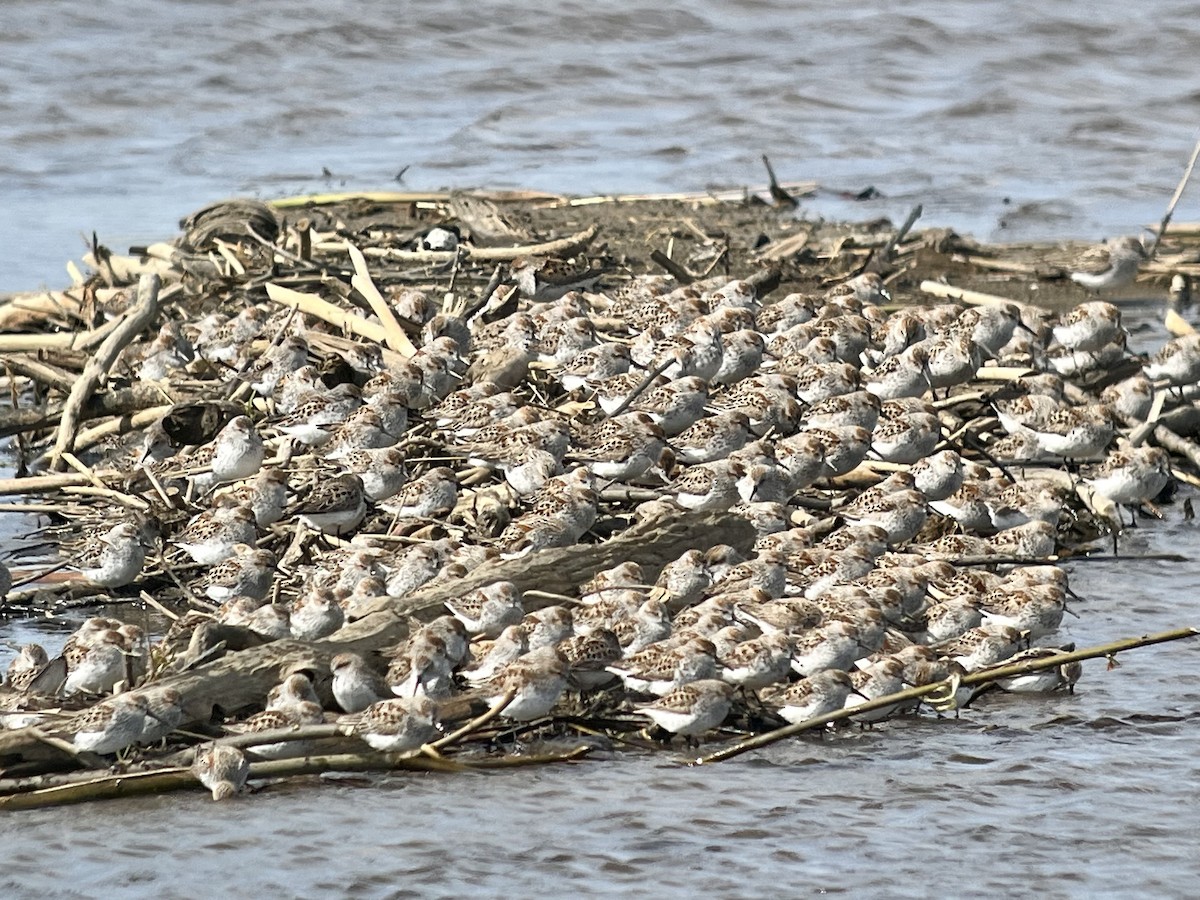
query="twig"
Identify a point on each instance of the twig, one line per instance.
(886, 251)
(645, 383)
(489, 289)
(561, 247)
(677, 271)
(1169, 440)
(44, 373)
(1166, 219)
(1023, 668)
(146, 598)
(89, 437)
(457, 735)
(40, 484)
(137, 320)
(778, 194)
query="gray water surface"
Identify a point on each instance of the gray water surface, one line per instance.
(1053, 120)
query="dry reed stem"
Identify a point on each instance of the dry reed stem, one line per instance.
(395, 337)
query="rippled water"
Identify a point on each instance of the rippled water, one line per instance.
(123, 119)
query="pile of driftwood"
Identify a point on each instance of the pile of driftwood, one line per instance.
(113, 391)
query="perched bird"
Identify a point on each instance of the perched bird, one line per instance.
(112, 559)
(111, 725)
(1132, 477)
(691, 709)
(335, 506)
(1110, 266)
(355, 684)
(398, 724)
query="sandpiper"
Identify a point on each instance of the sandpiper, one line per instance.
(488, 610)
(561, 342)
(707, 486)
(432, 494)
(938, 475)
(982, 646)
(287, 356)
(758, 662)
(29, 662)
(593, 366)
(658, 669)
(111, 725)
(318, 415)
(304, 712)
(587, 656)
(1178, 361)
(676, 405)
(536, 681)
(1089, 326)
(823, 693)
(691, 709)
(548, 626)
(1110, 266)
(209, 538)
(362, 430)
(397, 724)
(355, 684)
(382, 471)
(712, 438)
(235, 453)
(315, 614)
(222, 769)
(95, 665)
(246, 572)
(492, 656)
(112, 559)
(164, 714)
(1036, 610)
(334, 507)
(884, 677)
(1044, 680)
(793, 309)
(1130, 399)
(266, 494)
(743, 354)
(834, 645)
(1132, 477)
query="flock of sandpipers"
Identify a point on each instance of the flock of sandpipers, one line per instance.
(825, 421)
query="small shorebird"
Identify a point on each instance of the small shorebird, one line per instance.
(334, 507)
(536, 681)
(1110, 266)
(823, 693)
(111, 725)
(210, 537)
(1132, 477)
(112, 559)
(691, 709)
(1089, 326)
(488, 610)
(397, 724)
(222, 769)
